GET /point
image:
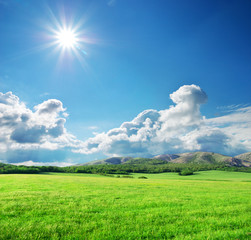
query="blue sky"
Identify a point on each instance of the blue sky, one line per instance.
(136, 53)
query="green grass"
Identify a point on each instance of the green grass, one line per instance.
(207, 205)
(203, 176)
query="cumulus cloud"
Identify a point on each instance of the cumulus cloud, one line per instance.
(179, 128)
(237, 126)
(24, 134)
(57, 164)
(23, 128)
(49, 107)
(39, 134)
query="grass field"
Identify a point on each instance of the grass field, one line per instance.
(207, 205)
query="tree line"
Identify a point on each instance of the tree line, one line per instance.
(122, 169)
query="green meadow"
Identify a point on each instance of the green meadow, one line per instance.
(207, 205)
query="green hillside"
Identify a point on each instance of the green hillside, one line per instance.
(150, 161)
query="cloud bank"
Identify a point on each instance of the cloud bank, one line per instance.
(24, 129)
(27, 134)
(180, 128)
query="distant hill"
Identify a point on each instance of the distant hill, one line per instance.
(150, 161)
(208, 158)
(245, 159)
(198, 157)
(112, 160)
(167, 157)
(191, 157)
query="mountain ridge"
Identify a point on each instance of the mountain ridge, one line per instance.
(242, 160)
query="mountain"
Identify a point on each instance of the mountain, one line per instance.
(112, 160)
(150, 161)
(190, 157)
(198, 157)
(167, 157)
(245, 159)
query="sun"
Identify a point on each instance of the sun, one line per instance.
(67, 38)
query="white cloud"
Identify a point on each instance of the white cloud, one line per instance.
(34, 135)
(179, 128)
(57, 164)
(237, 126)
(50, 107)
(22, 128)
